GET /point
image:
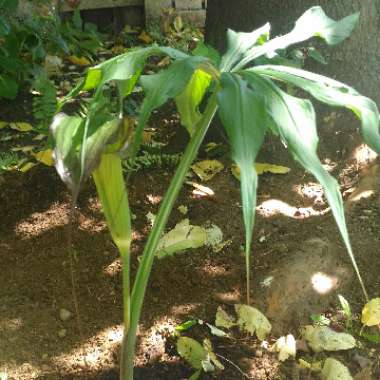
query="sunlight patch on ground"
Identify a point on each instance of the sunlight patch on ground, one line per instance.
(96, 354)
(40, 222)
(232, 296)
(11, 324)
(114, 268)
(323, 283)
(364, 155)
(184, 309)
(25, 371)
(273, 207)
(311, 190)
(216, 270)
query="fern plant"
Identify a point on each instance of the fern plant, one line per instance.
(44, 102)
(245, 87)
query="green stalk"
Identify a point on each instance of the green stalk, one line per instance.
(143, 273)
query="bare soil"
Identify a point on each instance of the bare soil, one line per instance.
(293, 240)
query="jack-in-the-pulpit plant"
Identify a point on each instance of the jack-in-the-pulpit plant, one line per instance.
(251, 102)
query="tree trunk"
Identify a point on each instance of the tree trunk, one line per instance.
(355, 61)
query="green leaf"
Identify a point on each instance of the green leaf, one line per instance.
(110, 185)
(124, 67)
(295, 121)
(73, 161)
(240, 43)
(186, 325)
(192, 351)
(188, 101)
(331, 92)
(243, 114)
(313, 23)
(165, 85)
(207, 51)
(8, 87)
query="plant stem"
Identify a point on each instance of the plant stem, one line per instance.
(146, 263)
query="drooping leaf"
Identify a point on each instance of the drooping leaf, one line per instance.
(192, 351)
(123, 67)
(334, 93)
(166, 84)
(75, 162)
(253, 321)
(240, 43)
(188, 101)
(323, 338)
(334, 370)
(244, 117)
(213, 358)
(371, 313)
(313, 23)
(295, 123)
(110, 185)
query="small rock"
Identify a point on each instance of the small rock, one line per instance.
(62, 333)
(64, 315)
(72, 67)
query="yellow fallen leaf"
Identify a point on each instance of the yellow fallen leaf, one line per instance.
(80, 61)
(371, 313)
(334, 370)
(45, 156)
(252, 321)
(261, 168)
(21, 126)
(207, 169)
(26, 148)
(3, 124)
(26, 167)
(118, 49)
(145, 37)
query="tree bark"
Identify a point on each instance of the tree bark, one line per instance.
(355, 61)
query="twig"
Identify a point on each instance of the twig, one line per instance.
(235, 366)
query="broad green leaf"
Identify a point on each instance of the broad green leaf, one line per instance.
(371, 313)
(110, 185)
(66, 132)
(188, 101)
(207, 51)
(296, 125)
(253, 321)
(313, 23)
(73, 161)
(165, 85)
(240, 43)
(334, 370)
(124, 67)
(323, 338)
(243, 114)
(333, 93)
(192, 351)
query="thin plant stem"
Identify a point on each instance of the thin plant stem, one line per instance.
(146, 263)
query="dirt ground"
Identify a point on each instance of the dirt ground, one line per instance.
(295, 238)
